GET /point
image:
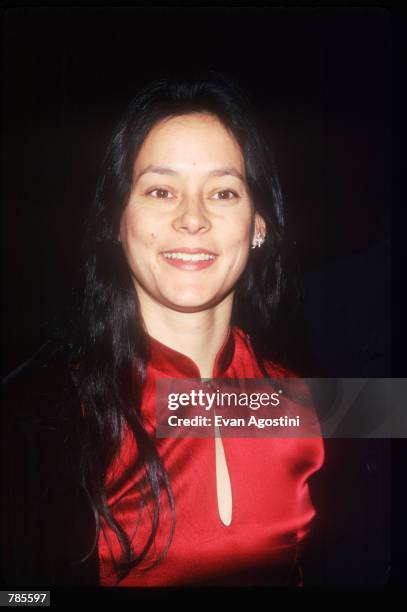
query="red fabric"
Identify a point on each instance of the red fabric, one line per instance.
(272, 509)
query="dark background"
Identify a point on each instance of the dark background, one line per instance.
(322, 78)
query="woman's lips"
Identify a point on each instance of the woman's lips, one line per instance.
(190, 265)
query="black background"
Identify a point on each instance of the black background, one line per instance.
(323, 79)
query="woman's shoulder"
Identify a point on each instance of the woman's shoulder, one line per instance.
(277, 370)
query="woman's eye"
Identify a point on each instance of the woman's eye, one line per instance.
(164, 194)
(160, 191)
(226, 191)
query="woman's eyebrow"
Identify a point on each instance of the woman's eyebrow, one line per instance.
(166, 170)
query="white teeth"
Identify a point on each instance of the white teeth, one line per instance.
(189, 256)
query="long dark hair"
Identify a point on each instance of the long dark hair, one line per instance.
(109, 350)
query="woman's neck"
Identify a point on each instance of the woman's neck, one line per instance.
(198, 335)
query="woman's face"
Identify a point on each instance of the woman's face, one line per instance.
(189, 200)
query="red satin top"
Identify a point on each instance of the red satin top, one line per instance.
(271, 506)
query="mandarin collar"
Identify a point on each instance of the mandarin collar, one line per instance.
(173, 363)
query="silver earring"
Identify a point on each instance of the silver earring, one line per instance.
(258, 241)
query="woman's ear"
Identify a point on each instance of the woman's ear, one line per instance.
(260, 226)
(259, 235)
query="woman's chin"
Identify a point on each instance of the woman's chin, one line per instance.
(191, 303)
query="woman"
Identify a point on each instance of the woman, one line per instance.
(184, 275)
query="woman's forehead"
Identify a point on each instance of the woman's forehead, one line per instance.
(192, 141)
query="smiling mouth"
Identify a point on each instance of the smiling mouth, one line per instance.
(189, 256)
(190, 259)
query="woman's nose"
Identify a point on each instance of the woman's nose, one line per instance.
(192, 216)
